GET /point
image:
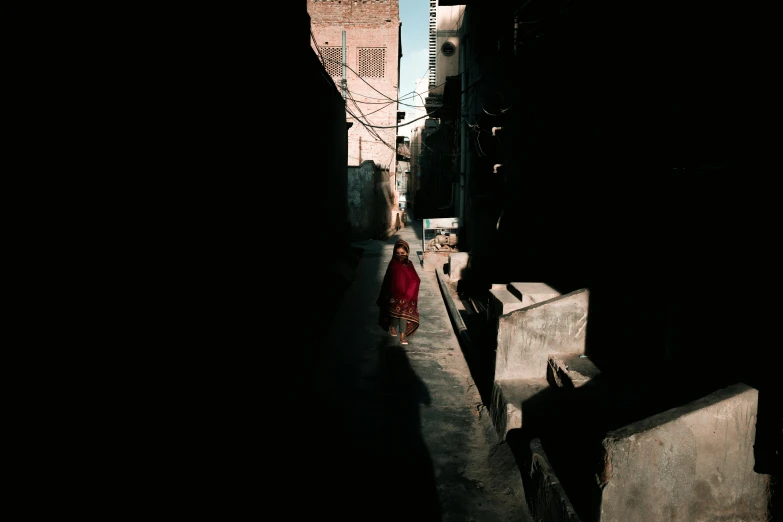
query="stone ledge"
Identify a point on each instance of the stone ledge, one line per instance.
(547, 498)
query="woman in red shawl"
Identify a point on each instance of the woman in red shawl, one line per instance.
(399, 296)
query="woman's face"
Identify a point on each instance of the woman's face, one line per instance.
(400, 252)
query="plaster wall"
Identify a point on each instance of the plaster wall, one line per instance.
(361, 200)
(527, 337)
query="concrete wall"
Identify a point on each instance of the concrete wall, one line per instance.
(691, 463)
(527, 337)
(361, 200)
(387, 215)
(372, 211)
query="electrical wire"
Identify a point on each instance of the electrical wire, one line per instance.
(370, 128)
(388, 100)
(373, 112)
(384, 96)
(478, 144)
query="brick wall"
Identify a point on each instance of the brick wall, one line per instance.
(353, 11)
(372, 32)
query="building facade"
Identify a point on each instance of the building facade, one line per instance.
(575, 167)
(439, 167)
(359, 44)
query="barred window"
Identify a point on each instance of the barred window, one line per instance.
(372, 62)
(333, 60)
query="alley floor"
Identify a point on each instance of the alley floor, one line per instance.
(403, 433)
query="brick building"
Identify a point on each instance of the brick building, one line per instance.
(368, 32)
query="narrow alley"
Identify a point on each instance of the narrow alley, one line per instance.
(404, 434)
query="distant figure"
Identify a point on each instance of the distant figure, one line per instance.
(399, 296)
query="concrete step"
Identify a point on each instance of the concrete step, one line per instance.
(532, 293)
(502, 301)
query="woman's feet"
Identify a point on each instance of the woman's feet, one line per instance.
(393, 331)
(403, 340)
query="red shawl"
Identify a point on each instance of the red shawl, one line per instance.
(399, 295)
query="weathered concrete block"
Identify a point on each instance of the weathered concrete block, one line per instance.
(690, 463)
(546, 497)
(527, 337)
(458, 262)
(531, 293)
(501, 301)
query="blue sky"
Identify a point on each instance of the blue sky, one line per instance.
(415, 18)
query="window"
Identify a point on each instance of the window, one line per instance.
(333, 60)
(372, 62)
